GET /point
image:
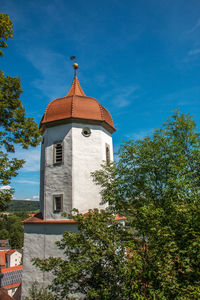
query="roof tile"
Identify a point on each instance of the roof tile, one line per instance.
(76, 105)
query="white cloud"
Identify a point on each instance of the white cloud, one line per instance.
(182, 97)
(195, 27)
(32, 158)
(28, 199)
(5, 187)
(54, 69)
(140, 134)
(35, 197)
(194, 52)
(122, 97)
(26, 181)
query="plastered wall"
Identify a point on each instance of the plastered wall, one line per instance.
(82, 155)
(39, 242)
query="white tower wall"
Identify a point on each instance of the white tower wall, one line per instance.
(40, 242)
(72, 178)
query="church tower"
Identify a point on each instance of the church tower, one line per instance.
(77, 139)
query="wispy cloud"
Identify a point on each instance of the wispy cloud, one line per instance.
(140, 134)
(54, 70)
(35, 197)
(183, 97)
(122, 97)
(194, 52)
(195, 27)
(5, 187)
(27, 181)
(31, 156)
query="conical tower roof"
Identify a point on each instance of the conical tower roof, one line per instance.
(76, 107)
(75, 88)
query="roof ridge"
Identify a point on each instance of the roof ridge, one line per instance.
(76, 88)
(72, 106)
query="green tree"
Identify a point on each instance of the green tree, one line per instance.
(17, 238)
(16, 128)
(96, 262)
(155, 183)
(156, 255)
(35, 293)
(11, 228)
(4, 234)
(6, 31)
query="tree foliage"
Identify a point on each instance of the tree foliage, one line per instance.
(11, 228)
(35, 293)
(20, 206)
(156, 255)
(155, 183)
(15, 127)
(6, 31)
(95, 263)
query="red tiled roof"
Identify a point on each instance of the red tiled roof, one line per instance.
(17, 294)
(75, 88)
(76, 105)
(4, 295)
(39, 219)
(10, 252)
(3, 257)
(10, 286)
(31, 215)
(118, 217)
(11, 269)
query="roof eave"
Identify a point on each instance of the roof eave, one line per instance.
(108, 127)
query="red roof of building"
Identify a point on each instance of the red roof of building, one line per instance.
(3, 257)
(11, 269)
(118, 217)
(10, 252)
(11, 286)
(4, 295)
(39, 219)
(76, 105)
(17, 294)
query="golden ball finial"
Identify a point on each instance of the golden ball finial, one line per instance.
(75, 66)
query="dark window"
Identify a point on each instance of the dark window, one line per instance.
(58, 203)
(86, 131)
(107, 154)
(58, 153)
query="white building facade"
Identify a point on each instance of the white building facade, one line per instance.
(77, 139)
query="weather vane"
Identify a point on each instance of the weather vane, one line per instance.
(75, 65)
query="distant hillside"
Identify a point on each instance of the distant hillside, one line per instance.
(23, 205)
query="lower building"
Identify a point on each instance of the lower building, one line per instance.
(11, 279)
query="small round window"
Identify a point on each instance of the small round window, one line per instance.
(86, 131)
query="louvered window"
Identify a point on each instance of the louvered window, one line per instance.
(107, 154)
(58, 153)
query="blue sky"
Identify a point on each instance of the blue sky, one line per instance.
(140, 59)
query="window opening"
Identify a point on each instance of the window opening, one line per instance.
(86, 132)
(107, 154)
(58, 153)
(58, 203)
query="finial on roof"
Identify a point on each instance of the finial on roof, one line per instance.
(75, 65)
